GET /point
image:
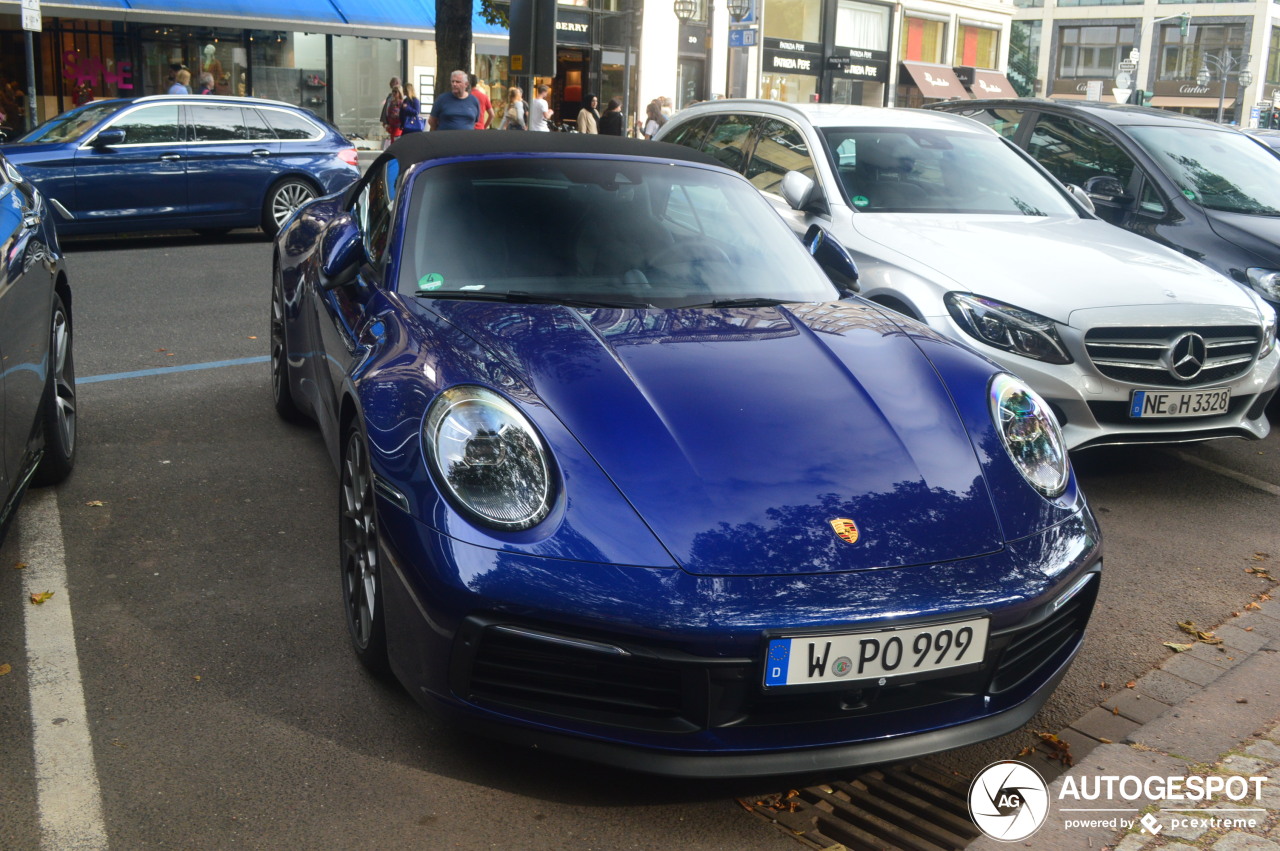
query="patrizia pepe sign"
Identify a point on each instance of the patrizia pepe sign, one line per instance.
(792, 57)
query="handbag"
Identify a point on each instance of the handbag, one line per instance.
(411, 117)
(413, 124)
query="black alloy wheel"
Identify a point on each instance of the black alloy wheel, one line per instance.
(358, 545)
(59, 406)
(286, 407)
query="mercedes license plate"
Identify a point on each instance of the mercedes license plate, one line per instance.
(861, 656)
(1179, 403)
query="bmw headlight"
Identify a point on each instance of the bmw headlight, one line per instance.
(1006, 327)
(489, 459)
(1030, 435)
(1265, 281)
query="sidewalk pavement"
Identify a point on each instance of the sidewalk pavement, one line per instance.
(1213, 709)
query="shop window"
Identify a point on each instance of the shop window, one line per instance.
(796, 20)
(149, 125)
(862, 25)
(923, 40)
(780, 149)
(789, 88)
(977, 46)
(1074, 152)
(1092, 52)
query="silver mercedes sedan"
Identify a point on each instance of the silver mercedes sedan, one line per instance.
(1128, 341)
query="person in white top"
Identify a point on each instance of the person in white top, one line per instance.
(539, 110)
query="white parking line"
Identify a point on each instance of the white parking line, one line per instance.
(1243, 478)
(67, 792)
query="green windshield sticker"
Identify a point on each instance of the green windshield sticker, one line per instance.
(431, 281)
(1190, 195)
(860, 200)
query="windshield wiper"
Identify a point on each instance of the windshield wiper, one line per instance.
(519, 297)
(745, 302)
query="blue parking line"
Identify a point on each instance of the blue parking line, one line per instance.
(164, 370)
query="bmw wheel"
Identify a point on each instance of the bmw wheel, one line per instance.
(358, 541)
(59, 406)
(282, 199)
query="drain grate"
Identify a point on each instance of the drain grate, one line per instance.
(911, 807)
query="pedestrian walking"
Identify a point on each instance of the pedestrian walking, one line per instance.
(458, 110)
(540, 111)
(206, 83)
(390, 115)
(486, 105)
(654, 119)
(411, 112)
(588, 117)
(517, 114)
(181, 83)
(611, 122)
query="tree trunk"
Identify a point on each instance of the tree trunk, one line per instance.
(453, 41)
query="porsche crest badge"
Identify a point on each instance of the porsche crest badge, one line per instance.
(846, 529)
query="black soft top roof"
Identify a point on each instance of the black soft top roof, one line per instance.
(417, 147)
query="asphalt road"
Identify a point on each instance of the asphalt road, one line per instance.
(223, 705)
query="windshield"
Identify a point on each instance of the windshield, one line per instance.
(1217, 169)
(70, 126)
(607, 231)
(902, 170)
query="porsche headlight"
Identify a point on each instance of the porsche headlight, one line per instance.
(1030, 434)
(488, 458)
(1266, 282)
(1007, 327)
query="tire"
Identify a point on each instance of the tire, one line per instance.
(58, 409)
(358, 550)
(286, 407)
(282, 199)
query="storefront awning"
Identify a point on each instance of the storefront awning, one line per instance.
(991, 84)
(374, 18)
(1198, 103)
(936, 81)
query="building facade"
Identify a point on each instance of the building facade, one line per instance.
(1061, 47)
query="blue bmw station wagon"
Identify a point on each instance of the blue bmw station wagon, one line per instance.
(176, 161)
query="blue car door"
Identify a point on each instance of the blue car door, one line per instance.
(142, 177)
(231, 160)
(25, 292)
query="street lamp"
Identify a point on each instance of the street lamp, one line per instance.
(1224, 65)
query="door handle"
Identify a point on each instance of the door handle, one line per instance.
(261, 152)
(168, 158)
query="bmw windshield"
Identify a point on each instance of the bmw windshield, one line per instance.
(70, 126)
(611, 232)
(1217, 169)
(904, 170)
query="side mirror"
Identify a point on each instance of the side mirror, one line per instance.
(1104, 187)
(341, 253)
(799, 190)
(832, 257)
(1083, 197)
(108, 139)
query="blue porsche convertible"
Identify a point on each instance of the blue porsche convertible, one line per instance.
(624, 475)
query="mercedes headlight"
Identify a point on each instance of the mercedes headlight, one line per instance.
(488, 458)
(1030, 435)
(1006, 327)
(1268, 330)
(1266, 282)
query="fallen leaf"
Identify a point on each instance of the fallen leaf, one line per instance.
(1058, 749)
(1248, 629)
(1131, 684)
(95, 503)
(4, 669)
(1115, 710)
(253, 338)
(22, 565)
(1242, 700)
(1104, 684)
(1105, 740)
(1252, 606)
(1187, 627)
(1178, 648)
(37, 599)
(195, 677)
(1027, 751)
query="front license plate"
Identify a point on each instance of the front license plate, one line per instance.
(1179, 403)
(808, 660)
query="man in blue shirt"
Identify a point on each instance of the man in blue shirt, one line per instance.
(458, 110)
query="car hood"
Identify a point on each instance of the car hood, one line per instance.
(1048, 265)
(20, 152)
(740, 435)
(1259, 235)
